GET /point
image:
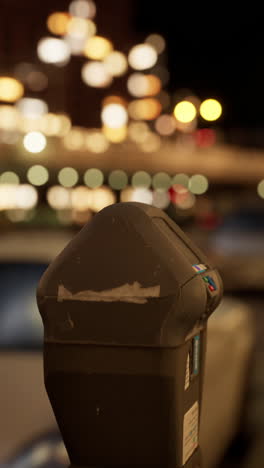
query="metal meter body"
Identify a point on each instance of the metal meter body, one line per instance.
(125, 308)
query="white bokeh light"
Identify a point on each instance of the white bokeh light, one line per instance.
(32, 108)
(96, 75)
(142, 56)
(114, 116)
(34, 142)
(53, 50)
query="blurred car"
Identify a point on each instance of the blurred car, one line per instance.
(29, 436)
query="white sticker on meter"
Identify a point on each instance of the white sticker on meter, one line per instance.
(187, 373)
(190, 432)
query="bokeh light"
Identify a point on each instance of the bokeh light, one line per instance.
(8, 196)
(9, 118)
(81, 217)
(68, 177)
(162, 72)
(126, 194)
(93, 178)
(34, 142)
(114, 116)
(102, 197)
(55, 124)
(75, 139)
(156, 41)
(165, 125)
(54, 51)
(37, 81)
(185, 111)
(260, 188)
(161, 181)
(59, 197)
(210, 109)
(26, 197)
(32, 108)
(181, 179)
(38, 175)
(144, 109)
(97, 48)
(142, 195)
(115, 135)
(9, 177)
(142, 56)
(10, 89)
(116, 63)
(140, 85)
(81, 28)
(138, 131)
(161, 199)
(96, 142)
(75, 44)
(151, 143)
(141, 179)
(83, 8)
(57, 23)
(118, 179)
(198, 184)
(95, 74)
(81, 198)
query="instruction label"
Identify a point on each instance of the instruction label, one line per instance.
(190, 432)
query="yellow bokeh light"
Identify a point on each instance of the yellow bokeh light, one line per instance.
(34, 142)
(95, 74)
(57, 23)
(75, 139)
(96, 142)
(210, 109)
(55, 124)
(140, 85)
(151, 144)
(185, 112)
(138, 131)
(115, 135)
(10, 89)
(81, 28)
(81, 198)
(9, 118)
(102, 197)
(144, 109)
(97, 48)
(59, 197)
(116, 63)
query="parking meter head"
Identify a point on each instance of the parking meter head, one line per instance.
(121, 307)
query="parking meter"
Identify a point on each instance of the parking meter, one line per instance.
(125, 307)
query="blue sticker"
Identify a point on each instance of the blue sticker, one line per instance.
(196, 354)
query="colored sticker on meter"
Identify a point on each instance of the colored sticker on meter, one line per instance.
(196, 355)
(190, 432)
(199, 268)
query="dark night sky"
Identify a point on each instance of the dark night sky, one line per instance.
(214, 52)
